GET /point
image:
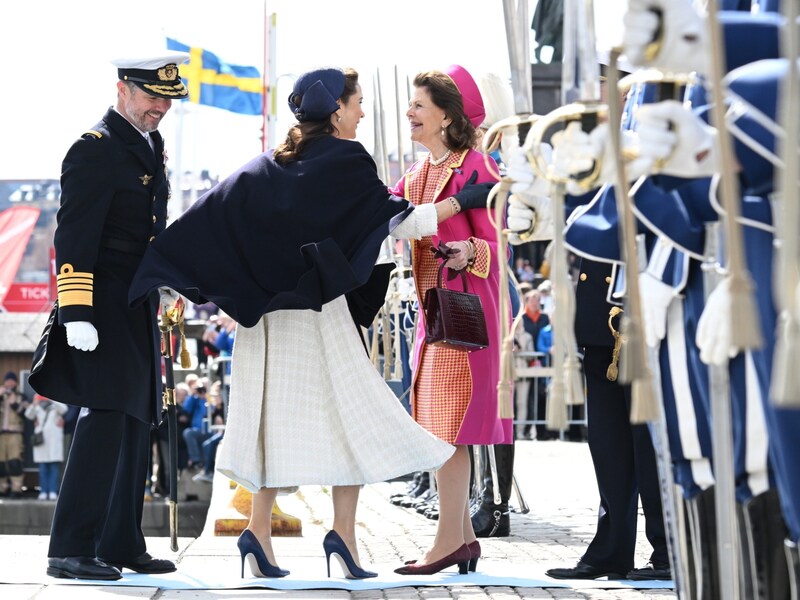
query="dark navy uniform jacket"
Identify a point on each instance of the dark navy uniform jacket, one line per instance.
(114, 192)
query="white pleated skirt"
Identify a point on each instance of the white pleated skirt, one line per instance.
(307, 406)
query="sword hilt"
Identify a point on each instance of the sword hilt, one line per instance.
(654, 46)
(588, 114)
(518, 125)
(668, 86)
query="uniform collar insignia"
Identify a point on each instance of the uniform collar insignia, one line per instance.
(146, 179)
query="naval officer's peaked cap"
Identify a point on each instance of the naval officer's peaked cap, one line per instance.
(156, 74)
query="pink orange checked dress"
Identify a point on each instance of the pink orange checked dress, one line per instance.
(455, 393)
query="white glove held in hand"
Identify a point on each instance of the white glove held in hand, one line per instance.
(656, 297)
(519, 170)
(526, 211)
(683, 46)
(520, 216)
(671, 133)
(81, 335)
(168, 298)
(713, 336)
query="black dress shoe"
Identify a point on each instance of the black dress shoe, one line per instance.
(81, 567)
(583, 571)
(144, 564)
(649, 572)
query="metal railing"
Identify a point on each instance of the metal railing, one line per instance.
(576, 414)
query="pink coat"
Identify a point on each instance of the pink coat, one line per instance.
(481, 424)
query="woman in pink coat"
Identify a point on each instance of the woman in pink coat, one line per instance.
(454, 394)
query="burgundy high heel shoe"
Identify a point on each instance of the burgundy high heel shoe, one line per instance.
(460, 557)
(475, 554)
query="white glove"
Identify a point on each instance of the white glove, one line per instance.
(655, 300)
(575, 151)
(671, 133)
(529, 213)
(81, 335)
(683, 45)
(519, 170)
(168, 298)
(713, 335)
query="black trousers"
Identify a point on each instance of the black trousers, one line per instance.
(99, 507)
(625, 466)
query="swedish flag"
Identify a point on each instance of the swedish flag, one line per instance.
(215, 83)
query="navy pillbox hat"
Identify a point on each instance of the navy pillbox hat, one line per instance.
(315, 94)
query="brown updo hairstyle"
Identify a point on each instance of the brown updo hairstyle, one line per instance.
(301, 134)
(460, 134)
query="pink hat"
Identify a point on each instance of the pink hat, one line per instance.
(471, 95)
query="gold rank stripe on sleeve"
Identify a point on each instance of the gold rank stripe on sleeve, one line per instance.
(74, 289)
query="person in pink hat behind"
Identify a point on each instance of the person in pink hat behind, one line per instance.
(454, 393)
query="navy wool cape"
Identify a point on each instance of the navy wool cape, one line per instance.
(272, 237)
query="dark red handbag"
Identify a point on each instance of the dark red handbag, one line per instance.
(454, 319)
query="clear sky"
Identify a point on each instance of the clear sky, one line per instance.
(58, 81)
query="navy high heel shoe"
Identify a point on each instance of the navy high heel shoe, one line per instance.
(334, 544)
(475, 554)
(250, 548)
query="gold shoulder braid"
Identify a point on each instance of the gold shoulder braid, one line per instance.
(613, 371)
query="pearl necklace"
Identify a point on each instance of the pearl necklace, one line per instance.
(436, 162)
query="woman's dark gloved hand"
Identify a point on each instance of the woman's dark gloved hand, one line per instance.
(473, 195)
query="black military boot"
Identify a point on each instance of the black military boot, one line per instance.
(396, 499)
(703, 524)
(793, 562)
(766, 531)
(422, 486)
(490, 519)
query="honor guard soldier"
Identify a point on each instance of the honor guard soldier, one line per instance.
(96, 352)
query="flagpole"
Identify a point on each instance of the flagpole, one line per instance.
(265, 89)
(272, 71)
(178, 168)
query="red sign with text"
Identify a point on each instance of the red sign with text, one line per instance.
(27, 297)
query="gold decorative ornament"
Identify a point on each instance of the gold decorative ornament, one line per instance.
(613, 371)
(168, 73)
(178, 90)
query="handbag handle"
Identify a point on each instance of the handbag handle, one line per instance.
(444, 252)
(463, 274)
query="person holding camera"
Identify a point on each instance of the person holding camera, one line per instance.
(48, 442)
(196, 407)
(11, 443)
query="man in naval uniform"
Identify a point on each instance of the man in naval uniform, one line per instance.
(96, 352)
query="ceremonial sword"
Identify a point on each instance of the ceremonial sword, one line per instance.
(170, 317)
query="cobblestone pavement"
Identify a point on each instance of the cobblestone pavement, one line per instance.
(555, 478)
